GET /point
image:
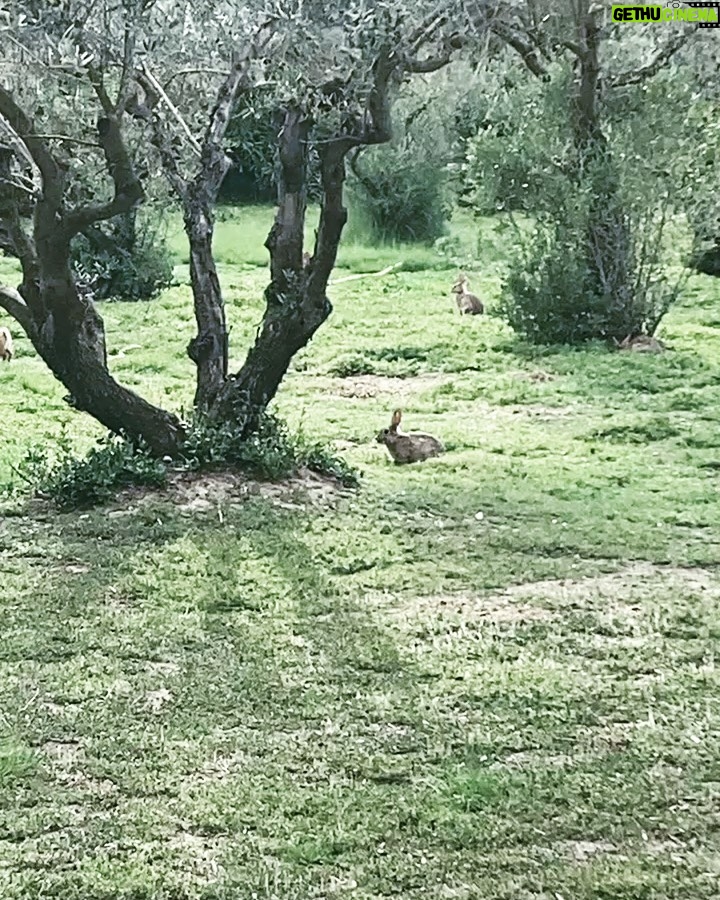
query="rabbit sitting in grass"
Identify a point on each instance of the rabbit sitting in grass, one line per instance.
(467, 303)
(414, 446)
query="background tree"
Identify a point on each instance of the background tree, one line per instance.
(593, 266)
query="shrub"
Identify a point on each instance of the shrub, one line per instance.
(402, 190)
(402, 195)
(272, 452)
(596, 264)
(553, 294)
(125, 261)
(79, 483)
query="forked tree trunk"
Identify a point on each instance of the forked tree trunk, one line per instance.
(209, 349)
(296, 302)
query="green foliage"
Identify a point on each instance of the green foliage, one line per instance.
(512, 154)
(251, 139)
(401, 190)
(125, 260)
(270, 452)
(553, 293)
(80, 483)
(402, 195)
(596, 265)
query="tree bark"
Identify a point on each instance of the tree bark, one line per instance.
(209, 348)
(608, 238)
(296, 304)
(296, 299)
(65, 328)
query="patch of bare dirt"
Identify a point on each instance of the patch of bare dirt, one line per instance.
(203, 853)
(539, 410)
(584, 850)
(498, 608)
(368, 386)
(62, 752)
(638, 577)
(210, 491)
(539, 375)
(538, 601)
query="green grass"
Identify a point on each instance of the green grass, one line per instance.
(490, 676)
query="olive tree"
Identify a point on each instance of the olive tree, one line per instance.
(593, 267)
(334, 75)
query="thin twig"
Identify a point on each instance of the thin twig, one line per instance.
(385, 271)
(173, 109)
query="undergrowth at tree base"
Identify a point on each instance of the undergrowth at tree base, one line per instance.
(270, 453)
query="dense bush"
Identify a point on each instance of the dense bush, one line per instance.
(402, 195)
(553, 295)
(127, 259)
(78, 483)
(596, 265)
(401, 190)
(271, 453)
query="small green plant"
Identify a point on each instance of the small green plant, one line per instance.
(79, 483)
(270, 452)
(127, 261)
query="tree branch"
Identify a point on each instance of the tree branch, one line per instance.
(526, 49)
(157, 89)
(423, 66)
(661, 58)
(376, 128)
(128, 190)
(14, 305)
(169, 156)
(52, 175)
(578, 49)
(127, 66)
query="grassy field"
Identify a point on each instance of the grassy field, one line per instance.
(490, 676)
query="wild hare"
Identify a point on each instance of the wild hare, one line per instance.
(468, 304)
(6, 344)
(414, 446)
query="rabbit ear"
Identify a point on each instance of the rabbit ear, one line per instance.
(395, 421)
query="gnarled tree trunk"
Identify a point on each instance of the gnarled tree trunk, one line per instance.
(296, 302)
(65, 328)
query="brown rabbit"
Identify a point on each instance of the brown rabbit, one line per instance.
(468, 304)
(6, 344)
(408, 448)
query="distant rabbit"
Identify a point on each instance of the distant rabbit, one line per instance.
(468, 304)
(6, 344)
(414, 446)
